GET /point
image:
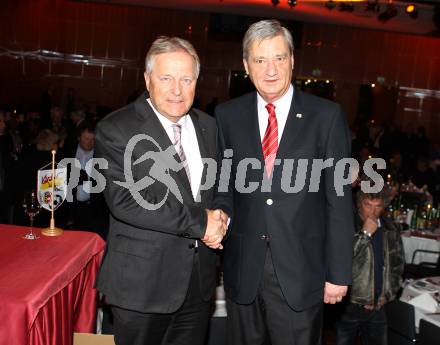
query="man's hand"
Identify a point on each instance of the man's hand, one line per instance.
(334, 293)
(215, 228)
(370, 225)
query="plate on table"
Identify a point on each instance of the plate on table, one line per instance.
(434, 281)
(423, 285)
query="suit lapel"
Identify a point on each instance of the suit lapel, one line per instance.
(293, 126)
(201, 133)
(292, 135)
(151, 126)
(256, 150)
(203, 141)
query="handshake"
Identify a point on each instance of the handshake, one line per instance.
(215, 229)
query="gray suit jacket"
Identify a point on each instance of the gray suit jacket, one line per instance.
(149, 256)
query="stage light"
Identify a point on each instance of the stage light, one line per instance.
(291, 3)
(390, 12)
(275, 2)
(412, 11)
(346, 7)
(330, 4)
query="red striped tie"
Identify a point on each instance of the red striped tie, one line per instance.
(270, 140)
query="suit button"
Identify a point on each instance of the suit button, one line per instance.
(191, 246)
(185, 234)
(269, 202)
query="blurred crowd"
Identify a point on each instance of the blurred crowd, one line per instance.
(412, 159)
(27, 138)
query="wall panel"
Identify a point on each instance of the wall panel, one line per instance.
(116, 39)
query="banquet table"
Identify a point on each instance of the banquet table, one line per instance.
(46, 286)
(418, 240)
(427, 308)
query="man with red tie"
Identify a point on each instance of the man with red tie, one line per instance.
(288, 249)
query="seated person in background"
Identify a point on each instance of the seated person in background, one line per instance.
(378, 264)
(56, 124)
(88, 211)
(423, 175)
(395, 167)
(77, 118)
(23, 178)
(6, 145)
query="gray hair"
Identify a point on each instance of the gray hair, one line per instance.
(265, 29)
(165, 44)
(361, 196)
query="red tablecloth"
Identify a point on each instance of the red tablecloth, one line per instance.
(46, 286)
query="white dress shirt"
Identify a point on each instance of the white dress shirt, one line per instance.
(282, 107)
(190, 146)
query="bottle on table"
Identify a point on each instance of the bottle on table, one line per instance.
(437, 217)
(430, 218)
(415, 215)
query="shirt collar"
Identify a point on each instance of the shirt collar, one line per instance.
(282, 104)
(166, 123)
(84, 152)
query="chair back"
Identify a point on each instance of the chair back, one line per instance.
(426, 251)
(401, 323)
(422, 269)
(429, 334)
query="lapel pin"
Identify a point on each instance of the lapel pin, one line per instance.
(299, 115)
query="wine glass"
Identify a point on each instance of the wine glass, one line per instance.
(31, 207)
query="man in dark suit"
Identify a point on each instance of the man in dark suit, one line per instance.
(289, 248)
(158, 272)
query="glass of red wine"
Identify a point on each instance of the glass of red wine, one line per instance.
(31, 208)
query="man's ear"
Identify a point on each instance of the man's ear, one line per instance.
(246, 66)
(147, 80)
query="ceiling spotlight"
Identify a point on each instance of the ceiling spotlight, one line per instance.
(373, 6)
(275, 2)
(291, 3)
(410, 8)
(330, 4)
(390, 12)
(346, 7)
(412, 11)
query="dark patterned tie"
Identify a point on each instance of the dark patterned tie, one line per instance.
(270, 140)
(177, 129)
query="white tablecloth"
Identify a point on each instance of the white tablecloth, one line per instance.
(427, 287)
(411, 243)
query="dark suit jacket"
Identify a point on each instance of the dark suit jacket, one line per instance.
(149, 257)
(310, 232)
